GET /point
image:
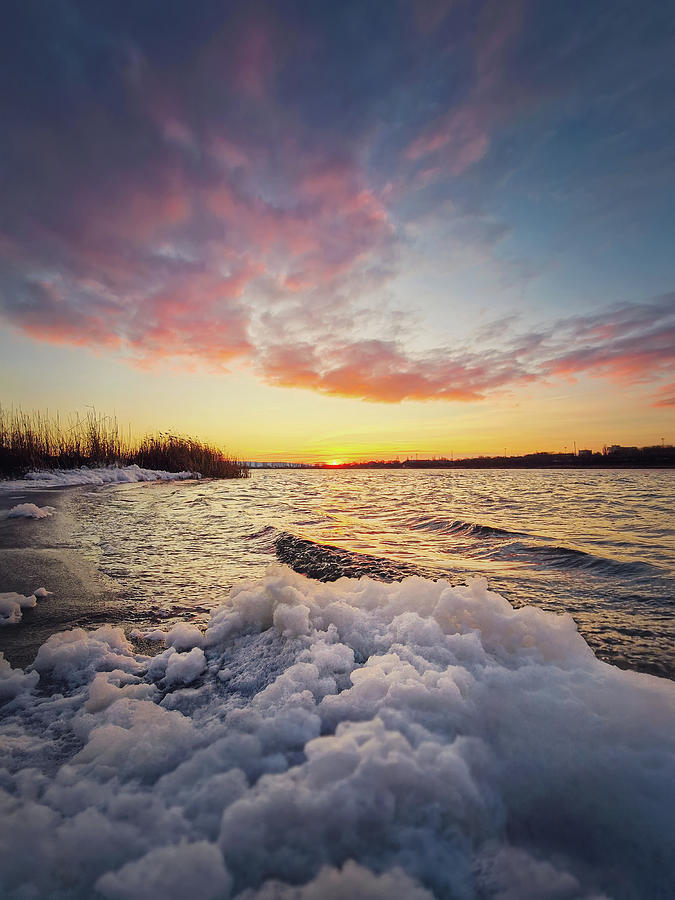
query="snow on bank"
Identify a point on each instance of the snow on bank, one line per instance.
(103, 475)
(11, 605)
(353, 739)
(30, 511)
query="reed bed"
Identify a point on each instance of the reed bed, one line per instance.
(33, 441)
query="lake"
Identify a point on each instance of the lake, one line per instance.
(599, 545)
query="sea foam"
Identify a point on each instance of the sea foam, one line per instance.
(339, 740)
(12, 604)
(30, 511)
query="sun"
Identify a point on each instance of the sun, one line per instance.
(335, 462)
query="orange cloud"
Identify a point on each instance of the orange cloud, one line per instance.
(638, 349)
(666, 395)
(383, 372)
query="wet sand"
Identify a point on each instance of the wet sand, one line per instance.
(42, 553)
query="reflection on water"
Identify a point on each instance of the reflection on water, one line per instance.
(596, 544)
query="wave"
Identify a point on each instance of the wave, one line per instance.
(570, 558)
(265, 531)
(558, 557)
(353, 739)
(325, 562)
(457, 526)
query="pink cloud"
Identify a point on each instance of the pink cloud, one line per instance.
(147, 276)
(382, 371)
(665, 396)
(639, 350)
(200, 317)
(235, 225)
(331, 224)
(254, 61)
(634, 343)
(46, 316)
(460, 136)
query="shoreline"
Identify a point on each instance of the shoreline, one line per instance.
(57, 553)
(435, 717)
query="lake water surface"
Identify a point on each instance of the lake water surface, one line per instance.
(597, 544)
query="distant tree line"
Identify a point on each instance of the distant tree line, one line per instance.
(615, 456)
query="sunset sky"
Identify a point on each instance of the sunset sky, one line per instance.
(335, 230)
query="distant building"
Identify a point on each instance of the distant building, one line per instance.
(618, 450)
(586, 453)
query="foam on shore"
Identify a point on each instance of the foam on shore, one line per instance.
(31, 511)
(12, 604)
(339, 740)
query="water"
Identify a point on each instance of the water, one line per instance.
(599, 545)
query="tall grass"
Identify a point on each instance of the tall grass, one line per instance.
(38, 441)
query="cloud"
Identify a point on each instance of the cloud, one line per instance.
(238, 187)
(459, 137)
(666, 395)
(631, 344)
(164, 203)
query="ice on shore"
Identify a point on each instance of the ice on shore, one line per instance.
(30, 511)
(103, 475)
(331, 741)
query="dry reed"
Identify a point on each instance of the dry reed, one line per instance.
(30, 441)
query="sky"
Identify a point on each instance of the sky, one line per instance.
(347, 230)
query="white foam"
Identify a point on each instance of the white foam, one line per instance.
(183, 668)
(73, 657)
(172, 873)
(11, 605)
(94, 476)
(14, 681)
(155, 635)
(30, 511)
(354, 739)
(352, 882)
(184, 636)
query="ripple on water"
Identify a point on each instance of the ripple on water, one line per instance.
(598, 544)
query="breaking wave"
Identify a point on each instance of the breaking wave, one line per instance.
(325, 562)
(338, 740)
